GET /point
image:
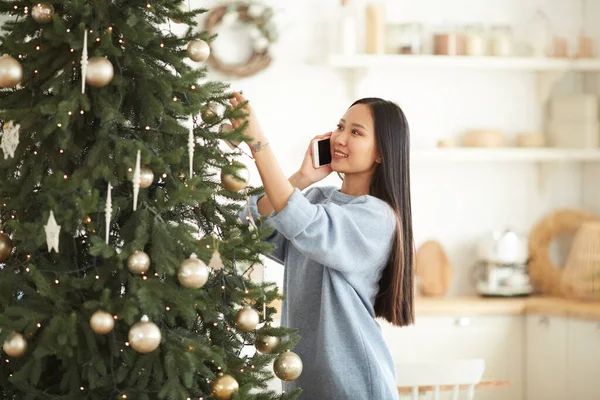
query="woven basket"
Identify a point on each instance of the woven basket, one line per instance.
(581, 275)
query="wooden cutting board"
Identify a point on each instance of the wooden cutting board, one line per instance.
(433, 269)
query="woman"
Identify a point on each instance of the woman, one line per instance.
(348, 253)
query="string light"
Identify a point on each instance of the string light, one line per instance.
(149, 5)
(145, 278)
(82, 388)
(168, 308)
(61, 151)
(65, 176)
(147, 128)
(81, 112)
(193, 87)
(59, 125)
(164, 175)
(97, 39)
(56, 281)
(39, 325)
(162, 45)
(127, 344)
(97, 277)
(175, 98)
(116, 317)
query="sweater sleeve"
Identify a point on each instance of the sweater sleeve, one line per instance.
(276, 238)
(352, 237)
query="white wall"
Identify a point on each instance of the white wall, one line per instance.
(300, 97)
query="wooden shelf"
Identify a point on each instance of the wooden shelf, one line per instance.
(486, 62)
(458, 154)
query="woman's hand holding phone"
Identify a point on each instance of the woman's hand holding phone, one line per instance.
(307, 171)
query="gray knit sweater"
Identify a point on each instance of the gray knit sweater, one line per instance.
(334, 247)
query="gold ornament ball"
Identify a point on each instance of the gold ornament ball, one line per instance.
(227, 128)
(287, 366)
(15, 346)
(198, 50)
(42, 13)
(146, 178)
(144, 336)
(6, 246)
(265, 344)
(247, 319)
(193, 273)
(233, 183)
(138, 262)
(102, 322)
(11, 72)
(224, 387)
(100, 72)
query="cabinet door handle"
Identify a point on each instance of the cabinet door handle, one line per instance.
(463, 321)
(544, 320)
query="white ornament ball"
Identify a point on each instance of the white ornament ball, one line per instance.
(247, 319)
(233, 183)
(11, 72)
(138, 262)
(193, 273)
(100, 72)
(198, 50)
(144, 336)
(42, 13)
(146, 178)
(102, 322)
(261, 44)
(15, 346)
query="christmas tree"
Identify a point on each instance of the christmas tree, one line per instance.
(123, 262)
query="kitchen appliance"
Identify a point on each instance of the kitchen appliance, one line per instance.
(501, 269)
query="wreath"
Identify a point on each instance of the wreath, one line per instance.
(263, 32)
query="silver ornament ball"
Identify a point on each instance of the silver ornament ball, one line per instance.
(138, 262)
(233, 183)
(100, 72)
(11, 72)
(144, 336)
(102, 322)
(193, 273)
(42, 13)
(198, 50)
(288, 366)
(247, 319)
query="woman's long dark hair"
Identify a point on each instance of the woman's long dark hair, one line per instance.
(391, 183)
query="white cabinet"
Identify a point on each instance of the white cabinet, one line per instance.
(496, 339)
(583, 360)
(546, 358)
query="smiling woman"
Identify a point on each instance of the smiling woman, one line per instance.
(348, 253)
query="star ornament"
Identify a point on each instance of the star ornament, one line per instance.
(10, 139)
(52, 232)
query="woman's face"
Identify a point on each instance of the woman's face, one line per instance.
(353, 146)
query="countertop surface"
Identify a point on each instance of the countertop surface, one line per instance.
(475, 305)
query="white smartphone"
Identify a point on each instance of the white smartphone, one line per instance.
(321, 150)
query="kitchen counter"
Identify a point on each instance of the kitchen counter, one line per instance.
(475, 305)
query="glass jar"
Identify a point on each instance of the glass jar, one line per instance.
(475, 40)
(404, 38)
(501, 41)
(449, 42)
